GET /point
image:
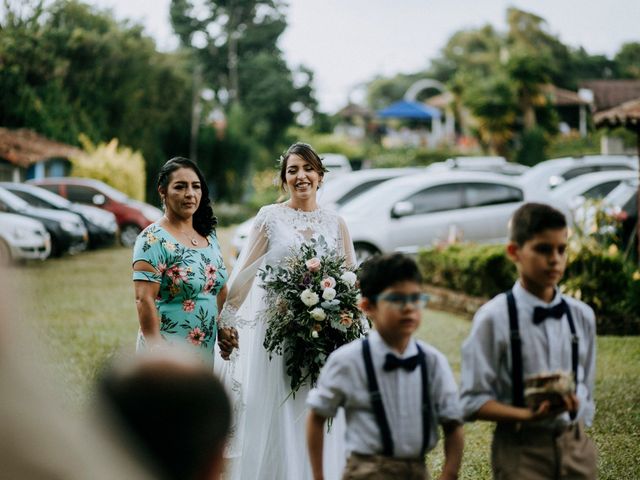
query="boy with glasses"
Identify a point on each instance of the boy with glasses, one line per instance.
(395, 389)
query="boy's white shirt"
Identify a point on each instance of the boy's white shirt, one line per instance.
(343, 383)
(486, 355)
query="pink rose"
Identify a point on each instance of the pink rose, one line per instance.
(328, 282)
(313, 264)
(346, 319)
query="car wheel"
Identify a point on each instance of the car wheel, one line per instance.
(5, 254)
(364, 251)
(128, 235)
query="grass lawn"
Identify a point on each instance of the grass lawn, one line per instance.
(83, 308)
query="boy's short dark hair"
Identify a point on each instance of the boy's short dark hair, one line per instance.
(534, 218)
(175, 410)
(379, 272)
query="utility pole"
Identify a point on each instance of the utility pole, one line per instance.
(196, 111)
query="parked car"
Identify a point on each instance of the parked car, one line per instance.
(590, 186)
(337, 192)
(416, 211)
(68, 233)
(547, 175)
(480, 164)
(132, 215)
(336, 164)
(101, 224)
(334, 194)
(22, 238)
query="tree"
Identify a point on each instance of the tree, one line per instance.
(628, 60)
(236, 43)
(68, 69)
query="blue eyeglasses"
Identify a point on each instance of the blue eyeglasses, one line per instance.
(399, 301)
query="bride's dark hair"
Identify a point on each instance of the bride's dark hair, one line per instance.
(204, 220)
(307, 153)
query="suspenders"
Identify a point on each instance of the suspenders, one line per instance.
(516, 352)
(378, 407)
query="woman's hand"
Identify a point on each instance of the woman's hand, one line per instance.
(227, 341)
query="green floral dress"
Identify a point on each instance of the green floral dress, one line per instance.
(190, 279)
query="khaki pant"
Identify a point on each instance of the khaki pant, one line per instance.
(379, 467)
(542, 454)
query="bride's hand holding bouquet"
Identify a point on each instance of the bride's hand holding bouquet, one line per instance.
(311, 310)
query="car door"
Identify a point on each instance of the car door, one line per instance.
(435, 214)
(488, 208)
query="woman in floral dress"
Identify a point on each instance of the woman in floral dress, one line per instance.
(178, 273)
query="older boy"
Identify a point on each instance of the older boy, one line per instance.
(395, 389)
(533, 329)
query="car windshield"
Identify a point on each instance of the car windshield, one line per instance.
(14, 202)
(112, 193)
(45, 195)
(371, 197)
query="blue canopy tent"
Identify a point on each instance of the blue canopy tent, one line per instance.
(410, 111)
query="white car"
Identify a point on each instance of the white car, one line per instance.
(481, 164)
(336, 164)
(337, 192)
(417, 211)
(590, 186)
(547, 175)
(22, 238)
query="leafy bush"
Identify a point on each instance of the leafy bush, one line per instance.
(232, 213)
(480, 270)
(532, 147)
(408, 157)
(603, 279)
(120, 167)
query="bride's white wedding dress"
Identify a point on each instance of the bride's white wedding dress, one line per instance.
(268, 438)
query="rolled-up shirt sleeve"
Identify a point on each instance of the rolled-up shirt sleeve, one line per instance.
(446, 401)
(331, 388)
(479, 362)
(586, 384)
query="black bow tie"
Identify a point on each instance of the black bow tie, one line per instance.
(392, 362)
(540, 314)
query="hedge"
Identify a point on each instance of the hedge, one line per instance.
(605, 281)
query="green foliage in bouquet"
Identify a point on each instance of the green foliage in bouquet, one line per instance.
(312, 310)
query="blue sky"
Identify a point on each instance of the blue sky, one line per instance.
(347, 42)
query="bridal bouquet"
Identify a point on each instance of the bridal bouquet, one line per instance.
(311, 310)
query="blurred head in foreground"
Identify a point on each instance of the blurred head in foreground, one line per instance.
(174, 409)
(42, 435)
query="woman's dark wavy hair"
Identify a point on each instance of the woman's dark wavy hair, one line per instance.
(307, 153)
(204, 220)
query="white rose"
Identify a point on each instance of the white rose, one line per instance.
(329, 294)
(318, 314)
(309, 298)
(314, 334)
(349, 278)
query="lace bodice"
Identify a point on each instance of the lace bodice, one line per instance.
(279, 231)
(286, 229)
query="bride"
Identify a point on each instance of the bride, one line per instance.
(268, 439)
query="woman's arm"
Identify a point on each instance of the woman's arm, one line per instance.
(243, 276)
(146, 293)
(347, 245)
